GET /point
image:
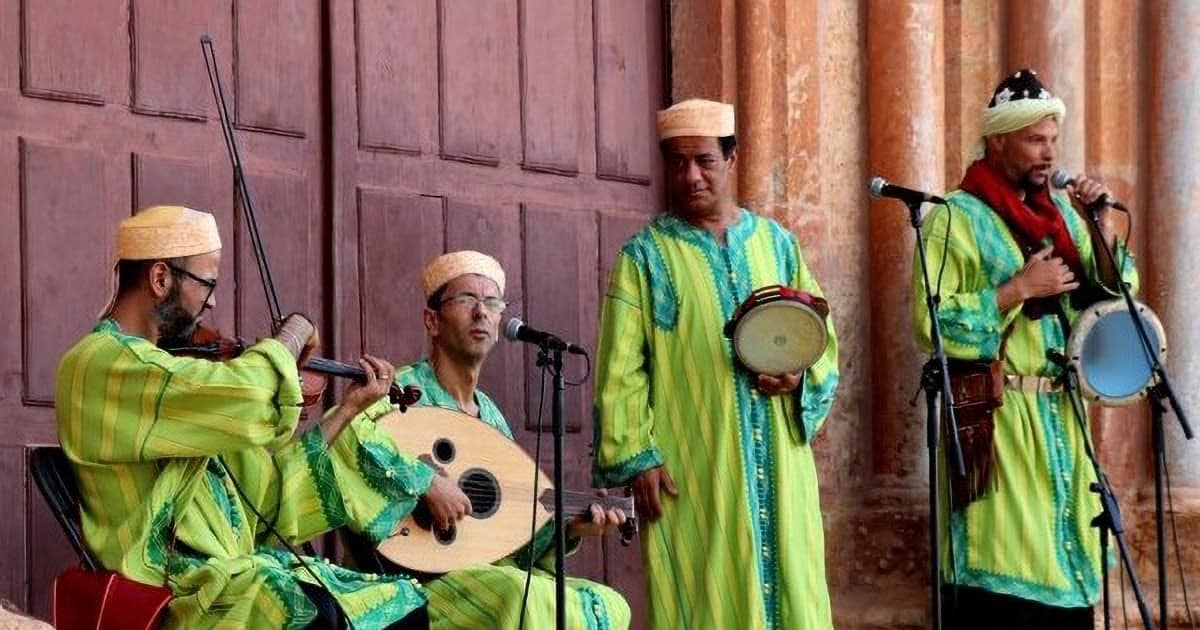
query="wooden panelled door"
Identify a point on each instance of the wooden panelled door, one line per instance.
(376, 134)
(522, 129)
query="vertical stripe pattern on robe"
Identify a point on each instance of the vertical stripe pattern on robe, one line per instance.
(742, 545)
(156, 439)
(1031, 535)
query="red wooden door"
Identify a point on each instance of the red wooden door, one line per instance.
(105, 107)
(375, 133)
(522, 129)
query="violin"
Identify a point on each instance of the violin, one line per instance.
(208, 343)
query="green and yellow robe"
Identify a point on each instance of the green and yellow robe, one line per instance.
(489, 596)
(167, 446)
(742, 545)
(1031, 535)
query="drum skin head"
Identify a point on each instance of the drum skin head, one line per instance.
(1106, 353)
(782, 337)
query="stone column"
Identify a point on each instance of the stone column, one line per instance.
(1173, 225)
(1049, 36)
(758, 108)
(1113, 152)
(702, 41)
(802, 124)
(906, 136)
(974, 65)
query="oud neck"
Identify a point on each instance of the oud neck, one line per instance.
(578, 503)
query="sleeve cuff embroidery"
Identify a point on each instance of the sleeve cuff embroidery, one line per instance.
(621, 473)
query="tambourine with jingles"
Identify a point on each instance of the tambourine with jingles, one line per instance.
(1104, 350)
(779, 330)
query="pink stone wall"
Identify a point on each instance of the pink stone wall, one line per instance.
(830, 92)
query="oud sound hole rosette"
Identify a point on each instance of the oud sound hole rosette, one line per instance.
(484, 491)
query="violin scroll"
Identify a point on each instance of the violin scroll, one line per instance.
(404, 397)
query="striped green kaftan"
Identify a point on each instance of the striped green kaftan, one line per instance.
(1030, 537)
(489, 596)
(151, 435)
(742, 545)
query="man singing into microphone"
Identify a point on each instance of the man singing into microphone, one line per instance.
(464, 294)
(719, 458)
(1016, 264)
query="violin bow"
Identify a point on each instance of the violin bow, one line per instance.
(239, 181)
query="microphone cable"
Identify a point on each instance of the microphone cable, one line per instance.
(546, 368)
(1178, 553)
(537, 457)
(271, 528)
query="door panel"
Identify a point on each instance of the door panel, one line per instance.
(545, 155)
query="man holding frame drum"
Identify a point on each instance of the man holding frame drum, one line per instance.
(717, 453)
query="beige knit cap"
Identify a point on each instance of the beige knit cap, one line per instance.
(167, 232)
(449, 266)
(696, 117)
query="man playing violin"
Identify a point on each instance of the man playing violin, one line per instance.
(464, 301)
(189, 469)
(719, 458)
(1017, 264)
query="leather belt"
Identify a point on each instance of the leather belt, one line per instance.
(1031, 384)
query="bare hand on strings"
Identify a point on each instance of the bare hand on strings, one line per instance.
(446, 502)
(379, 374)
(598, 521)
(359, 396)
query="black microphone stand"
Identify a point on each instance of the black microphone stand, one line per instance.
(935, 380)
(550, 355)
(1109, 518)
(1160, 392)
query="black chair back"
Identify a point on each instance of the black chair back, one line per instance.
(54, 478)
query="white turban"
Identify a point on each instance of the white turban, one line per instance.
(1020, 101)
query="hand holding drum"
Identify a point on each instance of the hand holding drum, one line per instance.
(777, 333)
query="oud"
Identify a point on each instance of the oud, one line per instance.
(496, 474)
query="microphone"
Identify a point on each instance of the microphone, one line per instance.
(879, 187)
(1061, 179)
(517, 330)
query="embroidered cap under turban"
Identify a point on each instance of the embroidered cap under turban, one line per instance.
(1019, 101)
(449, 266)
(696, 117)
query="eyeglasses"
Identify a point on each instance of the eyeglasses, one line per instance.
(211, 285)
(468, 301)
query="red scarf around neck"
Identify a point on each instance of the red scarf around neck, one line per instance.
(1032, 220)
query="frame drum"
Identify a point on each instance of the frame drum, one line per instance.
(779, 330)
(1106, 354)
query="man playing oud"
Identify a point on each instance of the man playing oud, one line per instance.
(464, 293)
